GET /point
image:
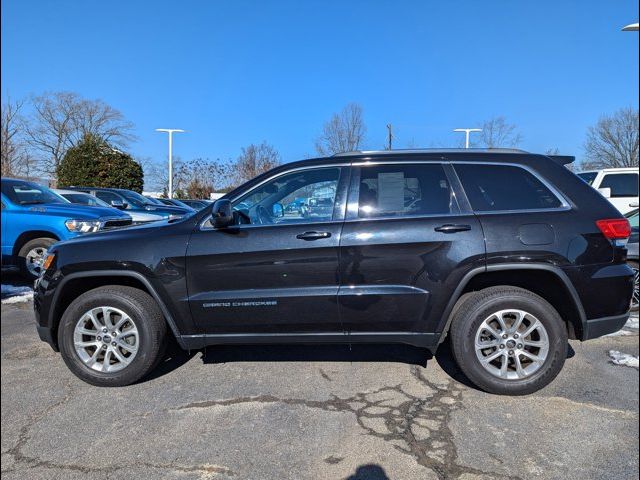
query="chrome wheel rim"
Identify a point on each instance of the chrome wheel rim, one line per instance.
(106, 339)
(34, 259)
(511, 344)
(635, 298)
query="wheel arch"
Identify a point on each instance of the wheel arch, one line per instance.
(25, 237)
(75, 284)
(547, 281)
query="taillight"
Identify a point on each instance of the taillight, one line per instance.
(615, 228)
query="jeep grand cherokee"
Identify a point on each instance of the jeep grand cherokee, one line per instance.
(505, 253)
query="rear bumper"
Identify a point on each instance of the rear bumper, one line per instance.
(597, 327)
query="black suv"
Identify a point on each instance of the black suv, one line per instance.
(507, 253)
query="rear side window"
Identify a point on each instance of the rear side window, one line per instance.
(404, 190)
(621, 184)
(504, 187)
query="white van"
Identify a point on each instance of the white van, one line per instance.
(618, 185)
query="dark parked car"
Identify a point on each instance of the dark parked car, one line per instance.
(131, 201)
(508, 254)
(196, 204)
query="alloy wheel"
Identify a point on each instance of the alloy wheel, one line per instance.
(106, 339)
(34, 260)
(511, 344)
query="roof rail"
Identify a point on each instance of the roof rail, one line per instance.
(429, 150)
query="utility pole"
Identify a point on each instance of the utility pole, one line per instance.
(170, 131)
(467, 131)
(389, 136)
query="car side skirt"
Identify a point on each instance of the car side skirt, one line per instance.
(422, 340)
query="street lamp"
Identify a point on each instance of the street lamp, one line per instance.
(633, 27)
(467, 131)
(170, 131)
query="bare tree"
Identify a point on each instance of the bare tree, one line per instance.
(254, 160)
(613, 141)
(343, 133)
(199, 177)
(15, 159)
(61, 119)
(498, 133)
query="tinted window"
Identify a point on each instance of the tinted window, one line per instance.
(108, 197)
(278, 200)
(621, 184)
(28, 193)
(404, 190)
(588, 177)
(504, 187)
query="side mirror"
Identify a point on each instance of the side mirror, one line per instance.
(277, 210)
(222, 213)
(633, 204)
(119, 204)
(605, 192)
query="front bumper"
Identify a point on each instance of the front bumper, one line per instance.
(597, 327)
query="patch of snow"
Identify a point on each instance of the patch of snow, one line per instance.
(632, 323)
(25, 297)
(624, 359)
(16, 294)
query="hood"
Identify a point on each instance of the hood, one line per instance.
(164, 209)
(73, 210)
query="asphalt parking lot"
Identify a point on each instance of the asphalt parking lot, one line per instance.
(374, 412)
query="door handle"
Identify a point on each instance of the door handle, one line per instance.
(450, 228)
(313, 235)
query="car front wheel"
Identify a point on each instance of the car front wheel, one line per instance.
(635, 299)
(112, 336)
(508, 340)
(31, 256)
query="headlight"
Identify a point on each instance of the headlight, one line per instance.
(173, 216)
(82, 226)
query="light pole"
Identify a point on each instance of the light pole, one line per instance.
(467, 131)
(170, 131)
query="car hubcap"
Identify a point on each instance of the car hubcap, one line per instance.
(635, 299)
(511, 344)
(106, 339)
(34, 259)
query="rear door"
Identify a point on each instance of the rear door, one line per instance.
(406, 244)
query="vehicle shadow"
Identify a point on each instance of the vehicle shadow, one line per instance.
(175, 357)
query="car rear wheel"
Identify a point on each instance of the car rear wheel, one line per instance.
(508, 340)
(635, 299)
(31, 256)
(112, 336)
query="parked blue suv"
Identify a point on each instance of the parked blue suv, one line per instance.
(34, 218)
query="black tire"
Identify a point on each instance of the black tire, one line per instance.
(36, 243)
(143, 312)
(478, 306)
(634, 300)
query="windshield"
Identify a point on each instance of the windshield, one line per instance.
(85, 199)
(588, 177)
(29, 193)
(134, 198)
(632, 216)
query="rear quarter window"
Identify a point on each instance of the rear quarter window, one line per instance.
(491, 188)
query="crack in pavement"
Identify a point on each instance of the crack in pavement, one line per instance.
(26, 462)
(415, 426)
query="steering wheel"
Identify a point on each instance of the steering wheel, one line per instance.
(263, 216)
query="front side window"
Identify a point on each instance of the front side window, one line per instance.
(298, 197)
(491, 188)
(404, 190)
(621, 184)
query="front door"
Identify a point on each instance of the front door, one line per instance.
(276, 271)
(406, 244)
